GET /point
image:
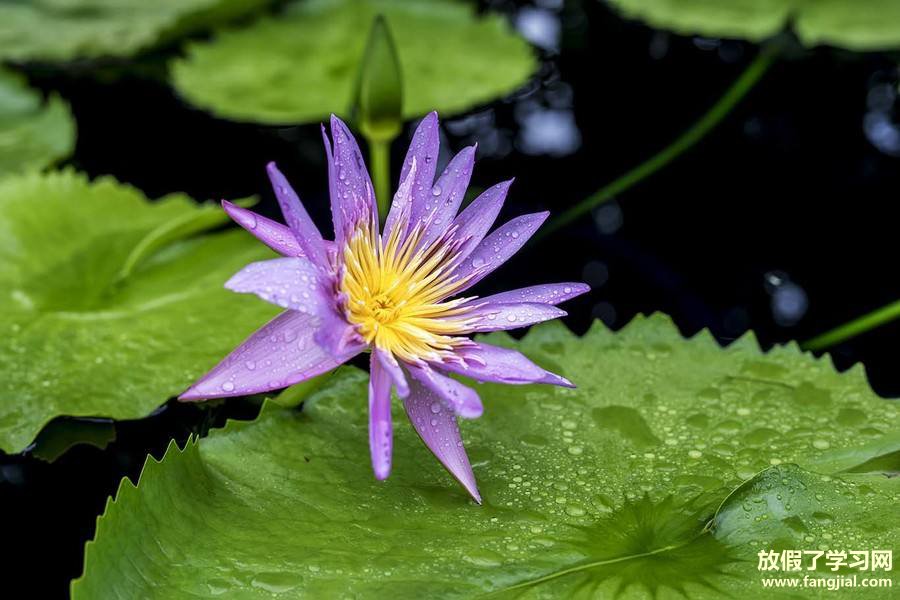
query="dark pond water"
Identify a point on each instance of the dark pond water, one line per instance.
(780, 221)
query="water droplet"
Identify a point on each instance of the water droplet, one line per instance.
(228, 386)
(436, 190)
(478, 262)
(435, 407)
(821, 444)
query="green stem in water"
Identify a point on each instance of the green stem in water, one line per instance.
(856, 327)
(743, 84)
(380, 158)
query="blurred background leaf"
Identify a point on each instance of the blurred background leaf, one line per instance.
(302, 65)
(34, 133)
(853, 24)
(68, 30)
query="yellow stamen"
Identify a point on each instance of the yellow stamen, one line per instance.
(395, 294)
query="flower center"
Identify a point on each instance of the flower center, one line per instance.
(395, 294)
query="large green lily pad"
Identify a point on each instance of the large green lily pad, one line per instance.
(107, 306)
(33, 134)
(66, 30)
(664, 474)
(302, 65)
(852, 24)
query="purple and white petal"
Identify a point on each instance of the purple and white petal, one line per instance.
(280, 354)
(273, 234)
(476, 219)
(381, 430)
(403, 202)
(461, 399)
(337, 336)
(438, 209)
(548, 293)
(349, 182)
(424, 149)
(390, 365)
(437, 427)
(499, 317)
(337, 218)
(485, 362)
(305, 231)
(286, 282)
(498, 247)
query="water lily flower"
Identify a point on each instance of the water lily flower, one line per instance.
(394, 293)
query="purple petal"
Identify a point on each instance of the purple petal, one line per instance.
(286, 282)
(337, 219)
(381, 431)
(271, 233)
(498, 317)
(403, 202)
(437, 209)
(485, 362)
(460, 398)
(424, 149)
(392, 368)
(337, 336)
(349, 181)
(437, 427)
(476, 219)
(297, 218)
(548, 293)
(498, 247)
(280, 354)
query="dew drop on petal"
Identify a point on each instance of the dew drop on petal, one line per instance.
(435, 407)
(228, 386)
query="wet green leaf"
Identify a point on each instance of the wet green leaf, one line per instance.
(81, 337)
(632, 485)
(34, 134)
(303, 65)
(853, 24)
(66, 30)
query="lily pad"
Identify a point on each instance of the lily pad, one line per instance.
(66, 30)
(98, 317)
(302, 65)
(853, 24)
(33, 134)
(632, 485)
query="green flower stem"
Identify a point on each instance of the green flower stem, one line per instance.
(856, 327)
(741, 86)
(380, 159)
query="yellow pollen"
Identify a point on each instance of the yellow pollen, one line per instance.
(395, 294)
